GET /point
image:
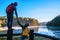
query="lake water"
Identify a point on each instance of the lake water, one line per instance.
(44, 30)
(52, 31)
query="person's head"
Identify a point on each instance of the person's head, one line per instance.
(15, 3)
(11, 3)
(26, 24)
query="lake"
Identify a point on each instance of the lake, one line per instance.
(44, 30)
(52, 31)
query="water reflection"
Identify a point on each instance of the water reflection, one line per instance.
(44, 30)
(55, 30)
(40, 29)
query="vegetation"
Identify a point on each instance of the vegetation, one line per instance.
(32, 21)
(18, 37)
(54, 22)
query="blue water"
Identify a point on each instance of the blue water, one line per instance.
(44, 30)
(51, 32)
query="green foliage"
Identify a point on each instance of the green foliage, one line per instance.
(54, 22)
(18, 38)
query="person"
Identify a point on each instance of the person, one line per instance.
(10, 10)
(24, 30)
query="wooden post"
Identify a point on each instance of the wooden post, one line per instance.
(9, 34)
(31, 34)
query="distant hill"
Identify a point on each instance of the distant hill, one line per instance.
(42, 23)
(54, 22)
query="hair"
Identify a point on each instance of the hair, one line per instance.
(11, 3)
(26, 24)
(15, 3)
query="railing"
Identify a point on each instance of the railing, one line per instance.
(31, 35)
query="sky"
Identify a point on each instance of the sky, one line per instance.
(42, 10)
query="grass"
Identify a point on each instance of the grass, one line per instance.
(40, 38)
(14, 38)
(18, 37)
(3, 38)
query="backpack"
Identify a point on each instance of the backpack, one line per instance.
(10, 9)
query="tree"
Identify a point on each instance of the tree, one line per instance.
(55, 21)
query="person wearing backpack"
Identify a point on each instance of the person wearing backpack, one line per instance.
(10, 10)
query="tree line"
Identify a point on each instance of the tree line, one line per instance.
(23, 20)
